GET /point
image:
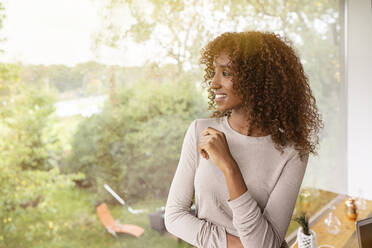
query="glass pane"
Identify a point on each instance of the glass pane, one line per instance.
(97, 93)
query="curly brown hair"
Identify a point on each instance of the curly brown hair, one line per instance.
(269, 77)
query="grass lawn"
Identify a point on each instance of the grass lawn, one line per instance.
(75, 223)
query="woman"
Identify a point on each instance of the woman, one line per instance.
(246, 163)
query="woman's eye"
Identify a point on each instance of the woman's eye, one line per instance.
(226, 74)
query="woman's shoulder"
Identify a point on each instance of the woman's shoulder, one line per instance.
(292, 152)
(202, 123)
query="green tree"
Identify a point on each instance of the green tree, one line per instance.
(181, 28)
(27, 140)
(9, 81)
(64, 78)
(27, 150)
(136, 151)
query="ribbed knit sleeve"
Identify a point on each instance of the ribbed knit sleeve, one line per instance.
(178, 219)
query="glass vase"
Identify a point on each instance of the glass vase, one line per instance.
(332, 223)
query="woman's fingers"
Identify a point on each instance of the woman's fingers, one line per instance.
(205, 139)
(202, 151)
(206, 156)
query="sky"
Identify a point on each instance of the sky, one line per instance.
(56, 32)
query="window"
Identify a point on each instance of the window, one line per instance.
(74, 119)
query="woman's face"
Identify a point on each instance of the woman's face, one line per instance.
(222, 85)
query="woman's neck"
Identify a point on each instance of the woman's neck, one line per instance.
(239, 123)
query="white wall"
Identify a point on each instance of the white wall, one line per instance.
(358, 75)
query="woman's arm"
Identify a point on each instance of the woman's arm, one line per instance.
(265, 229)
(233, 241)
(178, 219)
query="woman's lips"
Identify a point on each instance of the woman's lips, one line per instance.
(220, 97)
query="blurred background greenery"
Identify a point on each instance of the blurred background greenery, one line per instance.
(67, 130)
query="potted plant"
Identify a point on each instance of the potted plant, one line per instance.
(306, 238)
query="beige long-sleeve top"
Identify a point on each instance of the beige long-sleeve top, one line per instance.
(259, 217)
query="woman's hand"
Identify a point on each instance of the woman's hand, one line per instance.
(233, 241)
(213, 145)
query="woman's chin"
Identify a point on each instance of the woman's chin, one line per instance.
(221, 108)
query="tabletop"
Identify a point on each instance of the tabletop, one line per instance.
(346, 237)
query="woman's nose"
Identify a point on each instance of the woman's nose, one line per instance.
(215, 82)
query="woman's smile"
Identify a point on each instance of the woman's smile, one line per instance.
(222, 84)
(220, 98)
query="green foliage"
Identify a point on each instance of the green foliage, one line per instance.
(29, 155)
(65, 78)
(28, 193)
(80, 79)
(2, 18)
(188, 25)
(134, 146)
(26, 138)
(303, 220)
(9, 78)
(88, 78)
